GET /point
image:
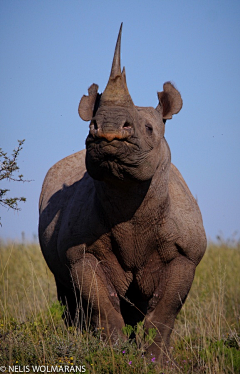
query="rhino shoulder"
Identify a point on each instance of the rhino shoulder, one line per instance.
(186, 218)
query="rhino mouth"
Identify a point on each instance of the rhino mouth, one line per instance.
(119, 148)
(116, 157)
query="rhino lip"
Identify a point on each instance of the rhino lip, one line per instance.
(115, 139)
(112, 145)
(116, 150)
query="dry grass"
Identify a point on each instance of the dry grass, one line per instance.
(205, 339)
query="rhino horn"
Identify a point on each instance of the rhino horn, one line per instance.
(116, 91)
(116, 64)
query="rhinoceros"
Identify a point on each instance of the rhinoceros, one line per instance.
(119, 228)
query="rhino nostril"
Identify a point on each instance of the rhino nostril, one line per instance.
(127, 125)
(94, 122)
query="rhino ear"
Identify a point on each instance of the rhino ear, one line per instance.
(87, 103)
(170, 101)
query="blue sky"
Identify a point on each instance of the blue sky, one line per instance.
(52, 51)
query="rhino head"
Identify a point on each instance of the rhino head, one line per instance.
(125, 140)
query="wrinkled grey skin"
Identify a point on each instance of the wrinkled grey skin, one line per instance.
(125, 226)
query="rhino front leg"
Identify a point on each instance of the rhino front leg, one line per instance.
(102, 306)
(179, 277)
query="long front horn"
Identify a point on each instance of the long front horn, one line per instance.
(116, 91)
(116, 64)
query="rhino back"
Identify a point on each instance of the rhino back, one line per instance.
(64, 173)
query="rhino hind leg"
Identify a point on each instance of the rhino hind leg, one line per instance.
(180, 274)
(74, 309)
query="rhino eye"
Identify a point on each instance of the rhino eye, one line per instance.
(149, 129)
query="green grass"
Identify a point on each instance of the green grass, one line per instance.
(206, 337)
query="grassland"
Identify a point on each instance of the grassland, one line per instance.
(206, 337)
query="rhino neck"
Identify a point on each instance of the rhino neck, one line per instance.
(120, 201)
